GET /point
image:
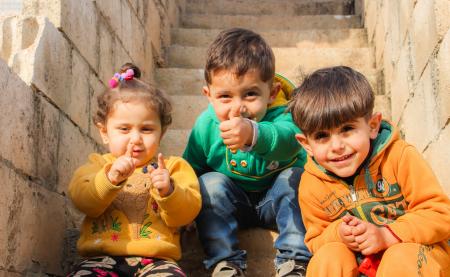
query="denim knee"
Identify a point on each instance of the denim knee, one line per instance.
(214, 187)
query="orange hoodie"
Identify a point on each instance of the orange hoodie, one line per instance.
(395, 187)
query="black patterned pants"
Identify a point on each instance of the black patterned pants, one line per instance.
(107, 266)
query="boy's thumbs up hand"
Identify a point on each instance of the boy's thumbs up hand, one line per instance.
(123, 167)
(237, 131)
(161, 178)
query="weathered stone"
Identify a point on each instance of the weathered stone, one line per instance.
(46, 142)
(401, 85)
(380, 33)
(371, 15)
(424, 35)
(406, 8)
(96, 87)
(106, 52)
(46, 63)
(443, 96)
(35, 218)
(419, 122)
(438, 156)
(74, 148)
(77, 19)
(78, 97)
(18, 121)
(79, 22)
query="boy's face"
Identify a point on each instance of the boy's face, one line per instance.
(342, 150)
(247, 94)
(132, 123)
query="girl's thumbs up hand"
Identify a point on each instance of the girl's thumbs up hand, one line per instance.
(161, 178)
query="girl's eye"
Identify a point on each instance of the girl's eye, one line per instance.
(147, 130)
(123, 128)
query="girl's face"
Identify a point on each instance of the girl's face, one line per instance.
(132, 123)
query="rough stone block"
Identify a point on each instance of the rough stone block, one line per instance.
(380, 33)
(443, 96)
(74, 148)
(438, 156)
(77, 19)
(401, 85)
(96, 87)
(371, 14)
(424, 34)
(17, 136)
(35, 225)
(78, 97)
(46, 63)
(79, 22)
(46, 142)
(442, 12)
(153, 28)
(406, 8)
(419, 120)
(106, 52)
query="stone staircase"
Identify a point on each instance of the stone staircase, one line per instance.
(305, 35)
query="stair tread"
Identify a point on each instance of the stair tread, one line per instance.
(270, 7)
(271, 22)
(323, 38)
(312, 58)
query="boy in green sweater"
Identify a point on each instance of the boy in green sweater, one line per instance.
(244, 151)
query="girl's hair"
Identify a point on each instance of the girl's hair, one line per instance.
(133, 90)
(240, 50)
(330, 97)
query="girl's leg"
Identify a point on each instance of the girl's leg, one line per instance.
(103, 266)
(333, 259)
(413, 259)
(161, 268)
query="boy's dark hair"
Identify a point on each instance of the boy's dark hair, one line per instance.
(132, 90)
(330, 97)
(240, 50)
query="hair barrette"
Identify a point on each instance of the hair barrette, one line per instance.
(127, 75)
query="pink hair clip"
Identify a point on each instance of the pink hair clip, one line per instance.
(128, 75)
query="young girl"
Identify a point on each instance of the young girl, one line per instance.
(133, 206)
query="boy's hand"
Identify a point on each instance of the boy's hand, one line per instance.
(237, 131)
(372, 239)
(161, 178)
(123, 167)
(345, 232)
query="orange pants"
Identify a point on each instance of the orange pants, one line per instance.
(403, 259)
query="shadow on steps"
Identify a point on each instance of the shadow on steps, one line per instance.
(258, 243)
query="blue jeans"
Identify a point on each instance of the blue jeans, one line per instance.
(225, 206)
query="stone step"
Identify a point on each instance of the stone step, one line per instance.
(187, 81)
(315, 38)
(175, 139)
(258, 243)
(271, 22)
(286, 58)
(273, 7)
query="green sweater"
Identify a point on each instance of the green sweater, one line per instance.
(275, 150)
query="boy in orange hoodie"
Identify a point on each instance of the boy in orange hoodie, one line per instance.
(365, 191)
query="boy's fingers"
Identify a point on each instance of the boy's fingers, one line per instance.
(234, 112)
(161, 164)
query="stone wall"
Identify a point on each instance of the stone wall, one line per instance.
(412, 45)
(55, 58)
